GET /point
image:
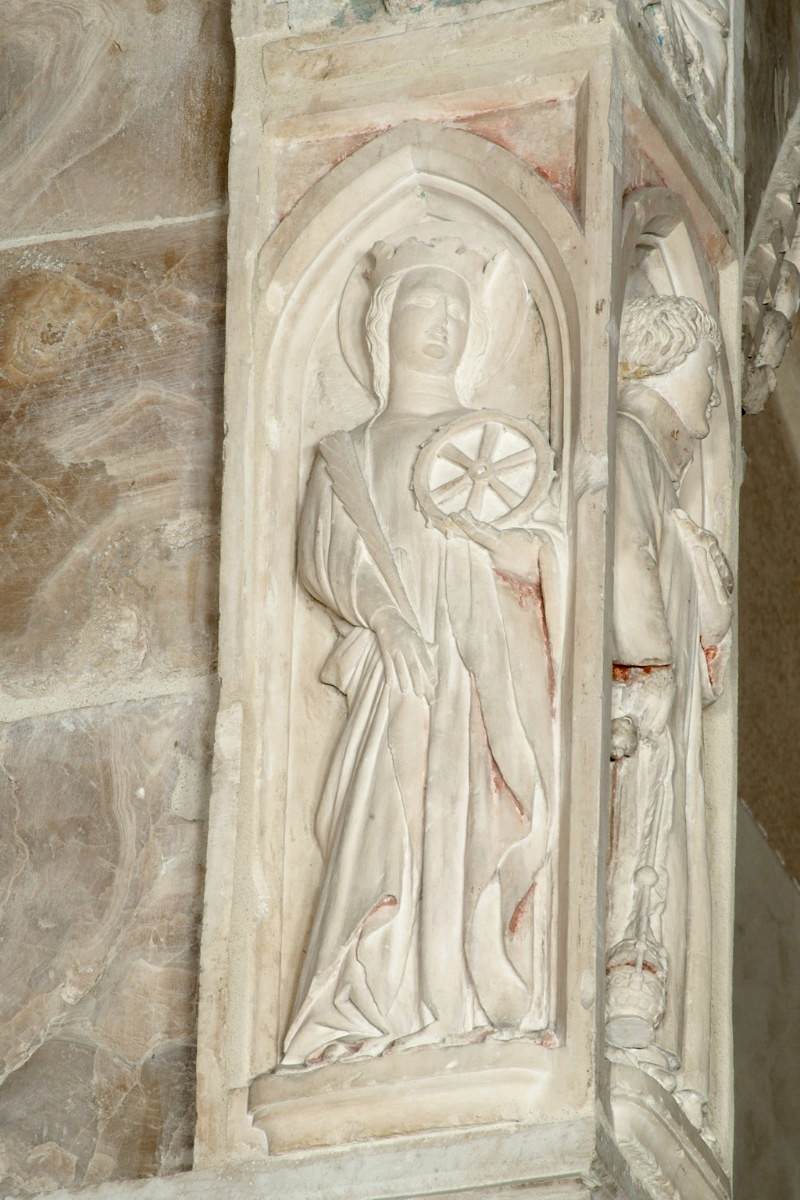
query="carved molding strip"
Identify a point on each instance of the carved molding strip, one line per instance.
(666, 1157)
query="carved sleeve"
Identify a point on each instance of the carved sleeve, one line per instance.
(334, 565)
(641, 633)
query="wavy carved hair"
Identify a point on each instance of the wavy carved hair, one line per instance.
(376, 327)
(660, 332)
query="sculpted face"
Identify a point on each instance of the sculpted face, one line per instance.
(693, 389)
(430, 322)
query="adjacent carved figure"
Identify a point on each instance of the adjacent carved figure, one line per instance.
(672, 615)
(417, 535)
(693, 36)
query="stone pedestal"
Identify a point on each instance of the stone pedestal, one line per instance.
(464, 931)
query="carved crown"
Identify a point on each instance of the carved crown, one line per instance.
(449, 253)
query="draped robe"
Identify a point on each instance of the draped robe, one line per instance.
(660, 814)
(432, 921)
(700, 28)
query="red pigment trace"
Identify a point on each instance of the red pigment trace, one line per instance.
(317, 1059)
(521, 909)
(623, 672)
(526, 594)
(560, 175)
(529, 596)
(501, 788)
(646, 966)
(712, 654)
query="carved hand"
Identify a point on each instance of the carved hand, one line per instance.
(513, 551)
(642, 695)
(408, 662)
(714, 579)
(624, 738)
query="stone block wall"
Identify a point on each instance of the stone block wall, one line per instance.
(114, 123)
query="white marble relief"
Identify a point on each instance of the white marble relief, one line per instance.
(429, 535)
(671, 636)
(693, 37)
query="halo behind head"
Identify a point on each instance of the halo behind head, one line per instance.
(378, 273)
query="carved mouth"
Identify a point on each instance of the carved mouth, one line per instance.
(434, 350)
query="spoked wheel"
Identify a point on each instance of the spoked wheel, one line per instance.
(493, 466)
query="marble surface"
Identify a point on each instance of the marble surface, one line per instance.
(106, 806)
(111, 354)
(766, 1030)
(461, 1167)
(112, 111)
(111, 351)
(771, 90)
(769, 756)
(114, 122)
(499, 126)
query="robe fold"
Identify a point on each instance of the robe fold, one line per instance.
(701, 30)
(660, 808)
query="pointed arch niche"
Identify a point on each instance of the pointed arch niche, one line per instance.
(287, 386)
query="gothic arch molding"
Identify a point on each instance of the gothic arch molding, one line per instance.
(413, 172)
(415, 176)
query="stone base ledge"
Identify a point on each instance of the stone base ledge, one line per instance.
(548, 1162)
(648, 1150)
(234, 1185)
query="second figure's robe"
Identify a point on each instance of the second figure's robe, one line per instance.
(659, 814)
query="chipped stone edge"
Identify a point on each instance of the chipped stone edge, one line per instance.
(771, 282)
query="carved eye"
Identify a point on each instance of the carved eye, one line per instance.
(421, 299)
(457, 311)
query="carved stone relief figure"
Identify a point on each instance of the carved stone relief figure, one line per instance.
(672, 615)
(430, 537)
(693, 37)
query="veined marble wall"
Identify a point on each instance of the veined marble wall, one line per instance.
(114, 118)
(769, 706)
(771, 91)
(766, 983)
(114, 133)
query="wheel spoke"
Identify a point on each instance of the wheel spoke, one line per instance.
(452, 487)
(491, 436)
(520, 459)
(454, 455)
(476, 497)
(506, 493)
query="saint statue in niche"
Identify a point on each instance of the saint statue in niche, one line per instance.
(672, 615)
(431, 925)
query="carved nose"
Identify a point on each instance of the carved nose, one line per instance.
(440, 319)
